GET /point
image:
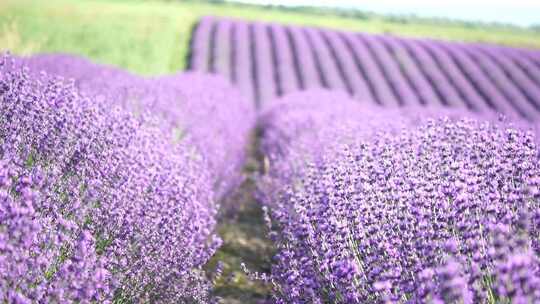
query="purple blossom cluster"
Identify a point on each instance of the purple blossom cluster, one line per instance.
(404, 206)
(270, 60)
(43, 257)
(101, 202)
(202, 109)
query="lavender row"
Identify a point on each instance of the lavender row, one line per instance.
(199, 52)
(371, 72)
(503, 83)
(244, 68)
(183, 103)
(399, 206)
(286, 75)
(530, 69)
(445, 76)
(221, 63)
(355, 82)
(110, 181)
(307, 68)
(378, 68)
(265, 62)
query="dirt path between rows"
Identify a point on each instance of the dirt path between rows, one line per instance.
(244, 234)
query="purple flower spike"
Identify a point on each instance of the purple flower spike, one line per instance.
(399, 206)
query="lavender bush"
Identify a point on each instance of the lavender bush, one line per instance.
(99, 204)
(44, 257)
(401, 206)
(192, 107)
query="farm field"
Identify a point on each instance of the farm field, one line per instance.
(151, 37)
(151, 153)
(267, 61)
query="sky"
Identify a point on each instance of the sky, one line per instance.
(517, 12)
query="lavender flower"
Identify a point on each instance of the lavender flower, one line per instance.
(193, 107)
(127, 207)
(399, 206)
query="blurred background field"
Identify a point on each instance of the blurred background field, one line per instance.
(152, 37)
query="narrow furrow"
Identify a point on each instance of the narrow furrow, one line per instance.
(266, 84)
(426, 88)
(276, 62)
(350, 68)
(254, 68)
(373, 71)
(243, 62)
(470, 95)
(454, 97)
(409, 71)
(362, 67)
(307, 65)
(482, 83)
(338, 63)
(201, 45)
(212, 46)
(518, 78)
(245, 239)
(221, 63)
(394, 73)
(510, 93)
(295, 59)
(233, 67)
(525, 65)
(366, 41)
(315, 52)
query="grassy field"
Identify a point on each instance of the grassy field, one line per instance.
(151, 37)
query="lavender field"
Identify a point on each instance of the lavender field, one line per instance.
(269, 60)
(287, 165)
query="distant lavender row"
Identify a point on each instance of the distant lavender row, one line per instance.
(100, 204)
(217, 118)
(399, 206)
(270, 60)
